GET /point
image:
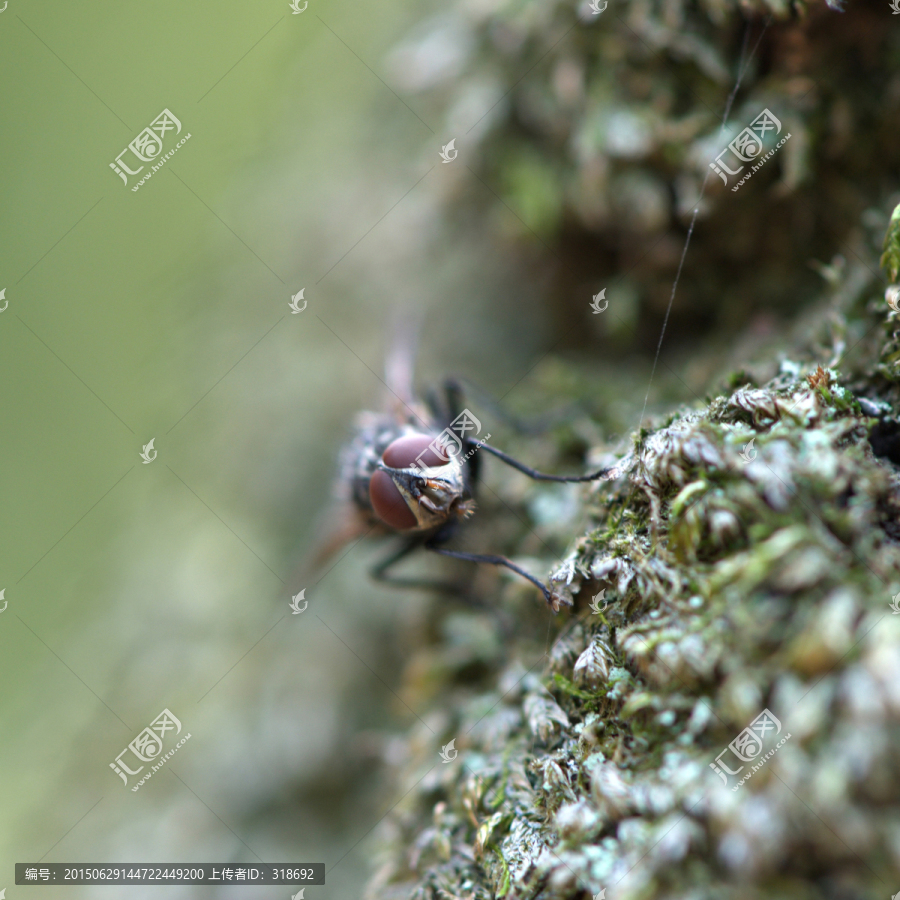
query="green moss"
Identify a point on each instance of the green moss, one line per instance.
(890, 258)
(733, 584)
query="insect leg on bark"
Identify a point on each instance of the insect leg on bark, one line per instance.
(542, 476)
(379, 572)
(494, 560)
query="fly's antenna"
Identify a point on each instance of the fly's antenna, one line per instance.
(542, 476)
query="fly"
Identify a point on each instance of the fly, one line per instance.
(413, 471)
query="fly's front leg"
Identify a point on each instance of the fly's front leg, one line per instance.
(379, 572)
(553, 599)
(543, 476)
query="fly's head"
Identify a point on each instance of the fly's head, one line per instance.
(419, 486)
(433, 494)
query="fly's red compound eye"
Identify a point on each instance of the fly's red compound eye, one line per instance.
(386, 499)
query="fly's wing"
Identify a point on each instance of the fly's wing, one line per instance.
(342, 526)
(399, 367)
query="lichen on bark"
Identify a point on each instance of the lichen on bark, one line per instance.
(743, 558)
(591, 135)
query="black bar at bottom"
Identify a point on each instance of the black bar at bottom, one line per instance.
(170, 873)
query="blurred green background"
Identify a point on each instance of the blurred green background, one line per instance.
(163, 313)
